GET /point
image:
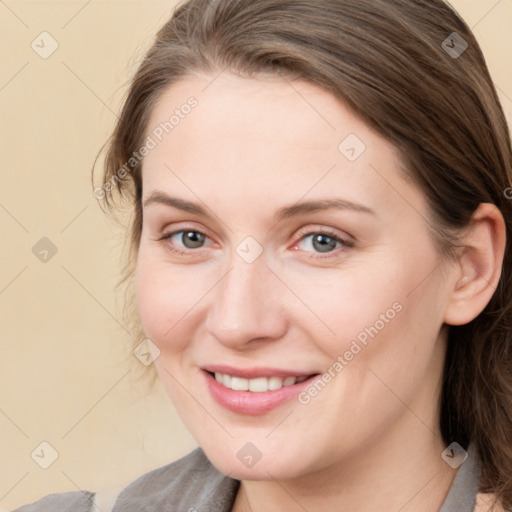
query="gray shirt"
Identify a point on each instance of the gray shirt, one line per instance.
(194, 484)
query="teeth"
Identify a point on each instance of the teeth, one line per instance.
(239, 384)
(275, 383)
(260, 384)
(257, 385)
(289, 381)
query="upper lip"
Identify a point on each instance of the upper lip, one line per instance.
(253, 373)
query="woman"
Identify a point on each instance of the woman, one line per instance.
(321, 257)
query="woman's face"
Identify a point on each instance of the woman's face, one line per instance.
(280, 233)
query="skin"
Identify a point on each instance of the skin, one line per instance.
(250, 147)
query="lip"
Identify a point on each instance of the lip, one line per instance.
(254, 373)
(253, 403)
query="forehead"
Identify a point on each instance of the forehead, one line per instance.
(266, 137)
(275, 109)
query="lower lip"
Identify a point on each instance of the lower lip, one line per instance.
(251, 402)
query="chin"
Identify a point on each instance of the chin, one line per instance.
(278, 466)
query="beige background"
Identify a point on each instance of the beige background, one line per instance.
(66, 375)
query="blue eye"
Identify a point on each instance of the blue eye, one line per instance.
(325, 241)
(190, 239)
(320, 242)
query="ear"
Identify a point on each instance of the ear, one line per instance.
(479, 265)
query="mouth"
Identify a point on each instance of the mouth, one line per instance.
(257, 395)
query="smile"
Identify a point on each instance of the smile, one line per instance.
(257, 395)
(257, 385)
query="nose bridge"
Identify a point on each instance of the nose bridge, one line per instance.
(244, 306)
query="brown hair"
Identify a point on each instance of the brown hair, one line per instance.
(402, 69)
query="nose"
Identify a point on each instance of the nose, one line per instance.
(246, 305)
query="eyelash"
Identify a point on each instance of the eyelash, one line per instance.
(345, 244)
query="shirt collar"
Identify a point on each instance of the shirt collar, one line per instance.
(463, 493)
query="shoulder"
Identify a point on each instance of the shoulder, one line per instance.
(188, 482)
(75, 501)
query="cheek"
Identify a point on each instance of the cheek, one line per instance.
(350, 299)
(394, 349)
(171, 300)
(162, 297)
(378, 314)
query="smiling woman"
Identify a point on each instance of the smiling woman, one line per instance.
(329, 221)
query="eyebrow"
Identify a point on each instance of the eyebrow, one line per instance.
(158, 197)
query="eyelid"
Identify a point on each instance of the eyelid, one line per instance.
(173, 232)
(316, 229)
(184, 226)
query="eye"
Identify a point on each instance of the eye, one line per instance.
(325, 242)
(322, 241)
(190, 239)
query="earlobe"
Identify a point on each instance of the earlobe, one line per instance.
(479, 265)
